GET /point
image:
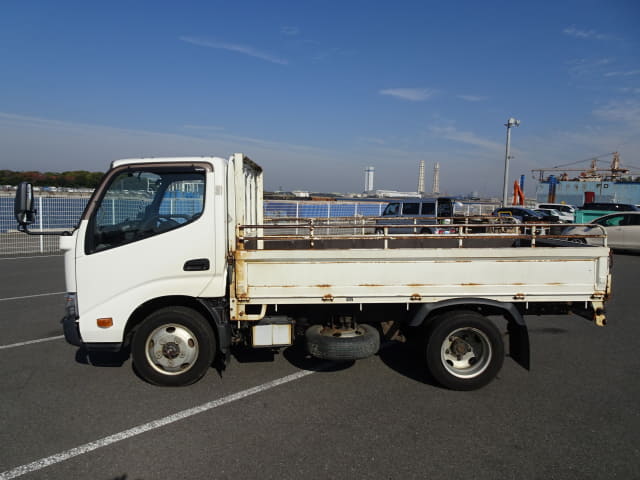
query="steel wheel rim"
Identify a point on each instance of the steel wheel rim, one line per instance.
(172, 349)
(466, 352)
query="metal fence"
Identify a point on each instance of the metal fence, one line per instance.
(62, 212)
(54, 213)
(59, 212)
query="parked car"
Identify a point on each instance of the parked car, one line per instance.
(526, 215)
(611, 207)
(523, 215)
(421, 212)
(568, 210)
(593, 211)
(623, 230)
(550, 212)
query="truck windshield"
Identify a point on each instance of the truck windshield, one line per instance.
(143, 203)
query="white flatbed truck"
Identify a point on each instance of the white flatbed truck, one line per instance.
(173, 262)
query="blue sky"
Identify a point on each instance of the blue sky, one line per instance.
(315, 91)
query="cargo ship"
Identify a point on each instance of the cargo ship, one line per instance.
(615, 184)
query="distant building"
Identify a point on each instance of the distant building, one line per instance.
(368, 179)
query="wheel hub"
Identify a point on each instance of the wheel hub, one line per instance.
(341, 332)
(171, 350)
(466, 352)
(459, 348)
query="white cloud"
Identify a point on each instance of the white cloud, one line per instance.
(622, 74)
(412, 94)
(581, 67)
(626, 111)
(575, 32)
(290, 31)
(205, 128)
(472, 98)
(243, 49)
(451, 133)
(371, 140)
(30, 143)
(632, 90)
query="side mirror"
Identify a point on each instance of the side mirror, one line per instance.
(23, 205)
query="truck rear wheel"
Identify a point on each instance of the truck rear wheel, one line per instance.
(342, 345)
(174, 346)
(464, 350)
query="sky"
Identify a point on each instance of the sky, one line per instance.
(316, 91)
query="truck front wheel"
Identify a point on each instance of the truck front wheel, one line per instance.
(173, 346)
(464, 350)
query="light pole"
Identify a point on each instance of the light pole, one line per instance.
(512, 122)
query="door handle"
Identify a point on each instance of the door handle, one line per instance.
(196, 265)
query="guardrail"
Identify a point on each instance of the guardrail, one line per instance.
(320, 233)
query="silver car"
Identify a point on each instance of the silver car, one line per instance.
(623, 230)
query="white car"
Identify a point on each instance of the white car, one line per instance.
(562, 216)
(568, 210)
(623, 230)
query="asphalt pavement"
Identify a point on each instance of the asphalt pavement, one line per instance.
(574, 415)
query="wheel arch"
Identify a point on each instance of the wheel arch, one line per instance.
(518, 333)
(206, 307)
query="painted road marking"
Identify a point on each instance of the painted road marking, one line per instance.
(25, 258)
(30, 342)
(32, 296)
(132, 432)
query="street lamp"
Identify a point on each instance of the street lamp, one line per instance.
(512, 122)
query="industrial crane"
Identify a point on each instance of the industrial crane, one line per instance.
(592, 173)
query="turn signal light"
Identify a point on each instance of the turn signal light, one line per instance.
(105, 322)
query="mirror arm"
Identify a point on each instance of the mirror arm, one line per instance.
(24, 228)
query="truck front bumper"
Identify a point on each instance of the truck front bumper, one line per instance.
(71, 331)
(71, 328)
(70, 320)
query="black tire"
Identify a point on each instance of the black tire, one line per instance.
(362, 344)
(463, 350)
(167, 337)
(426, 230)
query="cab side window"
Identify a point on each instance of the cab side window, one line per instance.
(143, 203)
(391, 209)
(428, 208)
(410, 208)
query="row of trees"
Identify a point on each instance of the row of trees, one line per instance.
(75, 179)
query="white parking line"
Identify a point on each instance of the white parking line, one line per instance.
(132, 432)
(34, 256)
(29, 342)
(31, 296)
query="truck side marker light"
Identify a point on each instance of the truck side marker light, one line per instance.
(104, 322)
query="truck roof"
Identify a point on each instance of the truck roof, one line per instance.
(127, 161)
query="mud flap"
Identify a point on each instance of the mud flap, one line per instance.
(519, 344)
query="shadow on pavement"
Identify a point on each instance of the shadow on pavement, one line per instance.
(401, 358)
(101, 359)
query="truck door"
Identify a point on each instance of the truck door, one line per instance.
(147, 236)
